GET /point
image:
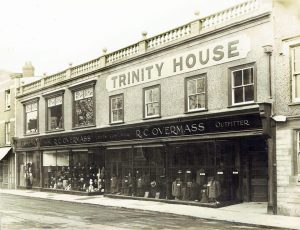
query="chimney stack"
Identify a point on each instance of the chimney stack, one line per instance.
(28, 70)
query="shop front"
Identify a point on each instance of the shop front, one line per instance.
(214, 160)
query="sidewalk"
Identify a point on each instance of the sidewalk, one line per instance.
(245, 213)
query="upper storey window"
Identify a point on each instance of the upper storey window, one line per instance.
(242, 85)
(152, 102)
(7, 99)
(196, 93)
(55, 112)
(117, 108)
(83, 107)
(296, 73)
(31, 117)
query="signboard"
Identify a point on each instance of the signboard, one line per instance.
(202, 56)
(169, 128)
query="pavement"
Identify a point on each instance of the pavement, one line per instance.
(252, 213)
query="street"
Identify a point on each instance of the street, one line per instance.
(17, 212)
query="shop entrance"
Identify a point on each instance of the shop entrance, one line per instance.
(258, 175)
(255, 170)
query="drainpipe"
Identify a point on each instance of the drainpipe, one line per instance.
(268, 49)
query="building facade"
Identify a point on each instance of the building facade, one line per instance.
(184, 116)
(10, 82)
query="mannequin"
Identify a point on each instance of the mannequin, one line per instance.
(113, 184)
(176, 188)
(214, 190)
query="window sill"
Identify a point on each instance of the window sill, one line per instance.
(83, 127)
(117, 123)
(31, 134)
(196, 111)
(294, 103)
(240, 105)
(54, 130)
(149, 118)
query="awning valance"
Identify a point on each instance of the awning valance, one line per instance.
(4, 151)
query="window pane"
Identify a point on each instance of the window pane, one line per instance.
(84, 112)
(51, 102)
(297, 86)
(113, 103)
(78, 95)
(156, 108)
(28, 108)
(120, 118)
(191, 87)
(150, 110)
(201, 101)
(120, 103)
(249, 93)
(55, 119)
(297, 59)
(115, 115)
(238, 95)
(155, 95)
(192, 102)
(148, 96)
(34, 107)
(248, 76)
(237, 78)
(200, 85)
(58, 100)
(88, 92)
(31, 122)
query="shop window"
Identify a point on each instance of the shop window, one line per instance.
(152, 102)
(81, 170)
(196, 93)
(31, 117)
(295, 73)
(7, 99)
(7, 133)
(117, 108)
(55, 113)
(84, 107)
(242, 81)
(29, 169)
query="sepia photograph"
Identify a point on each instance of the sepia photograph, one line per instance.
(151, 115)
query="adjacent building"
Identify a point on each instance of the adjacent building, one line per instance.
(193, 115)
(8, 90)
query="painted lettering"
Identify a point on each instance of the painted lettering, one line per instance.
(190, 60)
(149, 68)
(218, 53)
(203, 61)
(175, 64)
(159, 68)
(122, 80)
(232, 49)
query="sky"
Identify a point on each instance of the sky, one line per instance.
(53, 33)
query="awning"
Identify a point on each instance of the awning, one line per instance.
(3, 152)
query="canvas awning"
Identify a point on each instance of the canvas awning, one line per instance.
(4, 151)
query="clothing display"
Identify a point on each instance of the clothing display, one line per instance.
(176, 188)
(214, 189)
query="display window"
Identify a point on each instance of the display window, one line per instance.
(29, 169)
(206, 172)
(76, 170)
